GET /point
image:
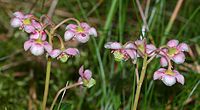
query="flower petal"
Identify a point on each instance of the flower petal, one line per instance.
(54, 53)
(81, 70)
(85, 25)
(15, 22)
(113, 45)
(87, 74)
(172, 43)
(183, 47)
(18, 14)
(47, 46)
(132, 53)
(150, 48)
(37, 49)
(92, 31)
(179, 77)
(158, 74)
(168, 80)
(129, 45)
(71, 27)
(82, 37)
(179, 58)
(69, 35)
(36, 24)
(163, 62)
(72, 51)
(27, 44)
(29, 28)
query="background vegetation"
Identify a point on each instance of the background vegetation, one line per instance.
(22, 75)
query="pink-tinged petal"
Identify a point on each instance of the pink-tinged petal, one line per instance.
(162, 70)
(158, 74)
(15, 22)
(92, 31)
(36, 24)
(37, 49)
(72, 51)
(55, 53)
(80, 80)
(47, 46)
(163, 62)
(183, 47)
(87, 74)
(179, 77)
(44, 36)
(163, 52)
(18, 14)
(85, 25)
(129, 45)
(82, 37)
(34, 35)
(113, 45)
(168, 80)
(29, 28)
(150, 48)
(71, 27)
(68, 35)
(27, 44)
(139, 42)
(179, 58)
(81, 71)
(132, 53)
(172, 43)
(28, 16)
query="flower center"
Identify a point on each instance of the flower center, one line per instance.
(169, 72)
(172, 51)
(118, 56)
(63, 57)
(27, 21)
(79, 29)
(141, 48)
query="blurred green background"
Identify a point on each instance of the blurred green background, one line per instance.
(22, 75)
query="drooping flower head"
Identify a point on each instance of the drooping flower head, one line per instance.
(144, 48)
(25, 22)
(174, 52)
(37, 46)
(86, 77)
(168, 76)
(122, 52)
(64, 54)
(80, 33)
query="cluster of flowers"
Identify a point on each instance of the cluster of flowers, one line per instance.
(173, 51)
(38, 44)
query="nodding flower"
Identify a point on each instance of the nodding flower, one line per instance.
(26, 22)
(173, 51)
(122, 52)
(86, 77)
(64, 54)
(168, 76)
(37, 46)
(80, 32)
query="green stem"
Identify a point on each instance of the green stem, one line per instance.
(139, 85)
(46, 90)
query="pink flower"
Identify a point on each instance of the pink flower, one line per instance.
(63, 55)
(80, 33)
(174, 52)
(25, 22)
(168, 77)
(86, 77)
(37, 46)
(144, 48)
(122, 52)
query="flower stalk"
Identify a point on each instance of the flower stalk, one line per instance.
(46, 90)
(139, 85)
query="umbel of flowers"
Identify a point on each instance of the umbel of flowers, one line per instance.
(172, 52)
(40, 41)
